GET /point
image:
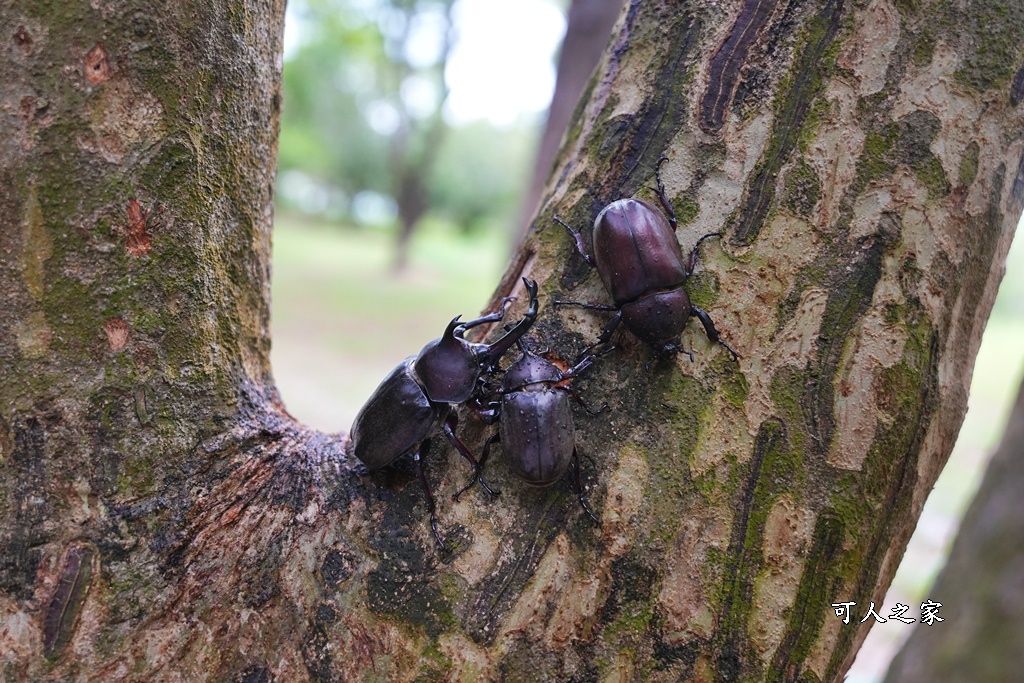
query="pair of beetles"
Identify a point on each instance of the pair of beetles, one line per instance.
(638, 257)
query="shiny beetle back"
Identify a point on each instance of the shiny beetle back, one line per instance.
(396, 418)
(638, 258)
(636, 250)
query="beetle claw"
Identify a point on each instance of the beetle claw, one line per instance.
(504, 304)
(475, 479)
(488, 488)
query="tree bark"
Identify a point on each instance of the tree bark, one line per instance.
(163, 518)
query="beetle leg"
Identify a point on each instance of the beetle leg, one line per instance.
(492, 353)
(595, 307)
(580, 247)
(418, 455)
(450, 423)
(586, 359)
(483, 458)
(579, 399)
(609, 327)
(691, 262)
(578, 485)
(709, 329)
(488, 412)
(662, 197)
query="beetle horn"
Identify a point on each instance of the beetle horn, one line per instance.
(449, 332)
(495, 351)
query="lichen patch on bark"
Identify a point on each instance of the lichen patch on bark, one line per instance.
(36, 247)
(626, 487)
(682, 597)
(876, 346)
(787, 533)
(535, 604)
(33, 335)
(723, 438)
(469, 662)
(835, 148)
(866, 53)
(577, 609)
(125, 120)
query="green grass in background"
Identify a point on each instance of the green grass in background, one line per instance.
(342, 320)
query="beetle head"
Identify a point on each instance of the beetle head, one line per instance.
(529, 368)
(666, 350)
(448, 367)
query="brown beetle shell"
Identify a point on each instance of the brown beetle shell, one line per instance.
(636, 250)
(537, 433)
(396, 418)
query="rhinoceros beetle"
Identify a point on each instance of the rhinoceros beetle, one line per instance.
(639, 260)
(406, 410)
(535, 425)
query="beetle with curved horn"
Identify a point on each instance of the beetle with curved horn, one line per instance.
(414, 401)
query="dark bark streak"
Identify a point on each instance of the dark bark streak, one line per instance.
(499, 592)
(724, 72)
(316, 650)
(1017, 193)
(814, 595)
(807, 80)
(404, 582)
(893, 505)
(632, 144)
(1017, 87)
(20, 550)
(745, 551)
(635, 143)
(850, 298)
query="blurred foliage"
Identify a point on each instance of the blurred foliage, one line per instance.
(361, 71)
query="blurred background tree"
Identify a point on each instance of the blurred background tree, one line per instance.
(366, 137)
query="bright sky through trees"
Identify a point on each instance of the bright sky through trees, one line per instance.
(502, 63)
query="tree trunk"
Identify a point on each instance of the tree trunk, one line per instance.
(981, 637)
(163, 518)
(588, 25)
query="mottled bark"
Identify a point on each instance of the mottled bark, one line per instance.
(981, 588)
(163, 518)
